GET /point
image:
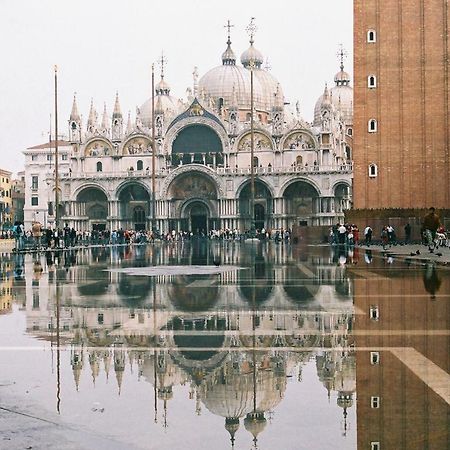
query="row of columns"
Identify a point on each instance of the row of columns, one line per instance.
(227, 209)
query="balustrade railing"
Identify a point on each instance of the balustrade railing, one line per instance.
(309, 170)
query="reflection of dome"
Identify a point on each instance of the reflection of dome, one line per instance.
(230, 397)
(255, 423)
(341, 96)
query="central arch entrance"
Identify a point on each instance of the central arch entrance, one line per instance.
(194, 202)
(197, 215)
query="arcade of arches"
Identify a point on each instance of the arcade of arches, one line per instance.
(193, 204)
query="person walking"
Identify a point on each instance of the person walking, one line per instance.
(368, 235)
(431, 223)
(407, 233)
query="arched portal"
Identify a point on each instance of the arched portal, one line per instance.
(301, 203)
(263, 207)
(194, 202)
(342, 196)
(93, 206)
(134, 206)
(197, 214)
(198, 144)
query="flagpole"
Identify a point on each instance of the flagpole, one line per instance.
(153, 154)
(56, 151)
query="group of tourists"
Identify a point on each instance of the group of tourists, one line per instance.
(344, 234)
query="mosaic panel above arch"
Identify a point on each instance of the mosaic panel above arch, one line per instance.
(261, 142)
(137, 146)
(193, 184)
(299, 140)
(98, 148)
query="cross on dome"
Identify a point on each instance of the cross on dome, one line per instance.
(162, 62)
(342, 54)
(229, 26)
(251, 29)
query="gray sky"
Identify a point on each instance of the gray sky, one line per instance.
(101, 46)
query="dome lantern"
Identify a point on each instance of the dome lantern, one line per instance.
(228, 56)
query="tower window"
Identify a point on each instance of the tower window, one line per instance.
(375, 402)
(373, 170)
(375, 445)
(374, 358)
(372, 126)
(371, 81)
(374, 312)
(371, 36)
(99, 166)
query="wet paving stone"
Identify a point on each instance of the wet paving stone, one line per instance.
(221, 344)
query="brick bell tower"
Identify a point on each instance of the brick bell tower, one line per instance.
(401, 108)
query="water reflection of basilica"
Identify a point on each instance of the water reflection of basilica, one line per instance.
(234, 338)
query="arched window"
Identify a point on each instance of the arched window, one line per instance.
(139, 165)
(350, 131)
(248, 117)
(373, 170)
(371, 36)
(299, 160)
(99, 166)
(372, 126)
(255, 161)
(371, 81)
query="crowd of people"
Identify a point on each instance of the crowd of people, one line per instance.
(38, 237)
(432, 232)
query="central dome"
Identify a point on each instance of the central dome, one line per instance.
(229, 84)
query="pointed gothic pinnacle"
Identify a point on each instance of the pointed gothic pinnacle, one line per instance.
(74, 115)
(117, 113)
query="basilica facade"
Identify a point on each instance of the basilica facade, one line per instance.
(303, 171)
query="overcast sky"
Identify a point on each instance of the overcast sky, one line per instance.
(101, 46)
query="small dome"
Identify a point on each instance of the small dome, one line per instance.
(342, 77)
(252, 54)
(167, 104)
(340, 96)
(162, 87)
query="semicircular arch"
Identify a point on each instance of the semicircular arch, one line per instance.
(299, 138)
(292, 181)
(262, 140)
(178, 126)
(98, 146)
(186, 170)
(90, 185)
(246, 183)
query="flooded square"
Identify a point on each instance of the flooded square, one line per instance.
(223, 345)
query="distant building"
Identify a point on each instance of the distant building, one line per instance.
(402, 131)
(18, 197)
(5, 197)
(303, 170)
